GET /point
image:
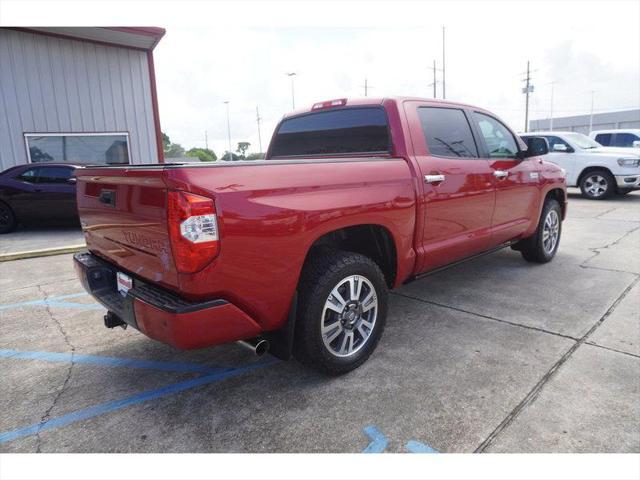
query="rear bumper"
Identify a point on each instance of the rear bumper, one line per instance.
(163, 315)
(628, 182)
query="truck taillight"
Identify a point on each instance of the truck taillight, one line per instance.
(193, 230)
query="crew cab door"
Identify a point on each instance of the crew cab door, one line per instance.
(456, 186)
(516, 180)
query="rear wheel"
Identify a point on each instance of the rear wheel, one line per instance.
(342, 311)
(542, 246)
(7, 218)
(597, 185)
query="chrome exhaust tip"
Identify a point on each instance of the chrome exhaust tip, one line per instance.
(259, 346)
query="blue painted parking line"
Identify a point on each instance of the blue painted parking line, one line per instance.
(112, 361)
(378, 441)
(417, 447)
(54, 301)
(107, 407)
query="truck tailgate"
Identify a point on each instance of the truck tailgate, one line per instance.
(124, 217)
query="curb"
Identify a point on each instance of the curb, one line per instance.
(45, 252)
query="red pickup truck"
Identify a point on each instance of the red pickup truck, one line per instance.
(296, 253)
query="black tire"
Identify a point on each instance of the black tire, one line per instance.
(597, 185)
(536, 248)
(323, 272)
(7, 218)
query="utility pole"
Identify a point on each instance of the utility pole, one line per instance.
(366, 87)
(527, 90)
(551, 109)
(258, 119)
(444, 92)
(293, 99)
(435, 81)
(591, 114)
(229, 130)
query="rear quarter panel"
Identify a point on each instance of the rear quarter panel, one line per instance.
(270, 214)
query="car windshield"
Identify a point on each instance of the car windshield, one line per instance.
(582, 141)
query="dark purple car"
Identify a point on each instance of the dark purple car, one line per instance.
(37, 193)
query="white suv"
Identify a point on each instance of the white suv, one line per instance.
(626, 138)
(598, 171)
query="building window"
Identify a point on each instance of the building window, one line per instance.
(78, 147)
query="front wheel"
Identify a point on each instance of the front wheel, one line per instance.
(342, 311)
(542, 246)
(597, 185)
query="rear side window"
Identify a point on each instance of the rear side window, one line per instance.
(54, 174)
(344, 131)
(447, 132)
(603, 139)
(625, 139)
(47, 175)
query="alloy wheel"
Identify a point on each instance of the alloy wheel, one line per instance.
(349, 316)
(595, 185)
(550, 231)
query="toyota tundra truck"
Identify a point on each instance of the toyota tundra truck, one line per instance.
(296, 253)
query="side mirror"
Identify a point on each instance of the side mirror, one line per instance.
(72, 180)
(636, 144)
(536, 146)
(560, 147)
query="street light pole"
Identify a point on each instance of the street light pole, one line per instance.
(591, 114)
(293, 98)
(229, 130)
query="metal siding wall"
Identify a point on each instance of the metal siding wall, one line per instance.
(50, 85)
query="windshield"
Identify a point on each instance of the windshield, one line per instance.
(582, 141)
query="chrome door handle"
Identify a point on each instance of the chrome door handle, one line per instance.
(500, 174)
(433, 178)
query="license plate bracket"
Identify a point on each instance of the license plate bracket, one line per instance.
(124, 283)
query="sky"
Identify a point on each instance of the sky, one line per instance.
(583, 47)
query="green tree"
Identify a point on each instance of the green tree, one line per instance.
(204, 154)
(175, 150)
(242, 149)
(171, 150)
(255, 156)
(230, 156)
(166, 141)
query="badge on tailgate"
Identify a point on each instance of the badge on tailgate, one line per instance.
(124, 282)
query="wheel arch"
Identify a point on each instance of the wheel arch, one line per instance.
(372, 240)
(592, 168)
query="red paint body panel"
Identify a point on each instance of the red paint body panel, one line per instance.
(202, 328)
(270, 213)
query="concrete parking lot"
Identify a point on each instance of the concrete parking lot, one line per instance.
(495, 355)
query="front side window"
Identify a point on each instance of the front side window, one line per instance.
(604, 139)
(111, 148)
(499, 140)
(553, 140)
(447, 132)
(334, 132)
(625, 139)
